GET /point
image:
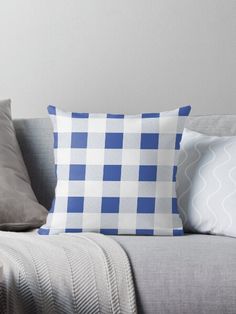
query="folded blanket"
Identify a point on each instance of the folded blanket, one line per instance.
(72, 273)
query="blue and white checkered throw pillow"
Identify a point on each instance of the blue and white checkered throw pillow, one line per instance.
(116, 173)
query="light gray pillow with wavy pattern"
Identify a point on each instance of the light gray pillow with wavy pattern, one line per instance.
(19, 208)
(206, 183)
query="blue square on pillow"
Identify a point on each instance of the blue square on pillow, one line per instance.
(184, 111)
(174, 173)
(144, 232)
(115, 116)
(55, 135)
(112, 173)
(52, 206)
(114, 140)
(79, 139)
(79, 115)
(178, 232)
(177, 141)
(109, 231)
(52, 110)
(147, 173)
(146, 205)
(77, 172)
(149, 141)
(75, 230)
(43, 231)
(150, 115)
(110, 205)
(174, 206)
(75, 204)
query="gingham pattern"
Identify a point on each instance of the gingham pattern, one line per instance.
(116, 173)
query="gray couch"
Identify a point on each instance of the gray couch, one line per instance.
(189, 274)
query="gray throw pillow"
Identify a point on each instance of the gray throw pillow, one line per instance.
(19, 208)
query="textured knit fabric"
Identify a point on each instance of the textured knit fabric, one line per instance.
(116, 173)
(84, 274)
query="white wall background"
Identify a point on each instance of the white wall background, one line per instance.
(118, 55)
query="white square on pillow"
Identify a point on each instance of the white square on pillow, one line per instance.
(91, 221)
(132, 125)
(127, 221)
(131, 157)
(62, 156)
(62, 188)
(168, 125)
(163, 221)
(95, 156)
(166, 157)
(164, 189)
(96, 125)
(129, 188)
(63, 124)
(93, 188)
(58, 220)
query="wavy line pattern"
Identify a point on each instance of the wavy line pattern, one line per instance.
(219, 184)
(206, 183)
(185, 185)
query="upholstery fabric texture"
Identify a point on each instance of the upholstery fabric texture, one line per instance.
(193, 274)
(116, 173)
(206, 183)
(19, 208)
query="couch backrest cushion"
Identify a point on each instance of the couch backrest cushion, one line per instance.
(36, 141)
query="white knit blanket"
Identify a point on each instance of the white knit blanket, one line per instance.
(69, 273)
